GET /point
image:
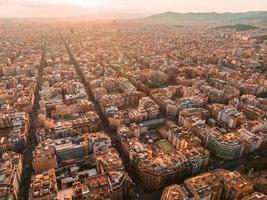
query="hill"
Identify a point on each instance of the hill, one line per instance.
(208, 18)
(238, 27)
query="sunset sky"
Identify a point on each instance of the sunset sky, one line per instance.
(121, 8)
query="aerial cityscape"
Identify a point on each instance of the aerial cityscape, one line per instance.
(131, 100)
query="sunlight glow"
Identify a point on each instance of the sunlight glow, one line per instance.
(87, 3)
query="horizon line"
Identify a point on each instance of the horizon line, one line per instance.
(124, 18)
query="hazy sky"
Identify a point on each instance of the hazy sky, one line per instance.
(121, 8)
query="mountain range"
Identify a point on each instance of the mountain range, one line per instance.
(175, 18)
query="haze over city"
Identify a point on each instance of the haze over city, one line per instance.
(105, 9)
